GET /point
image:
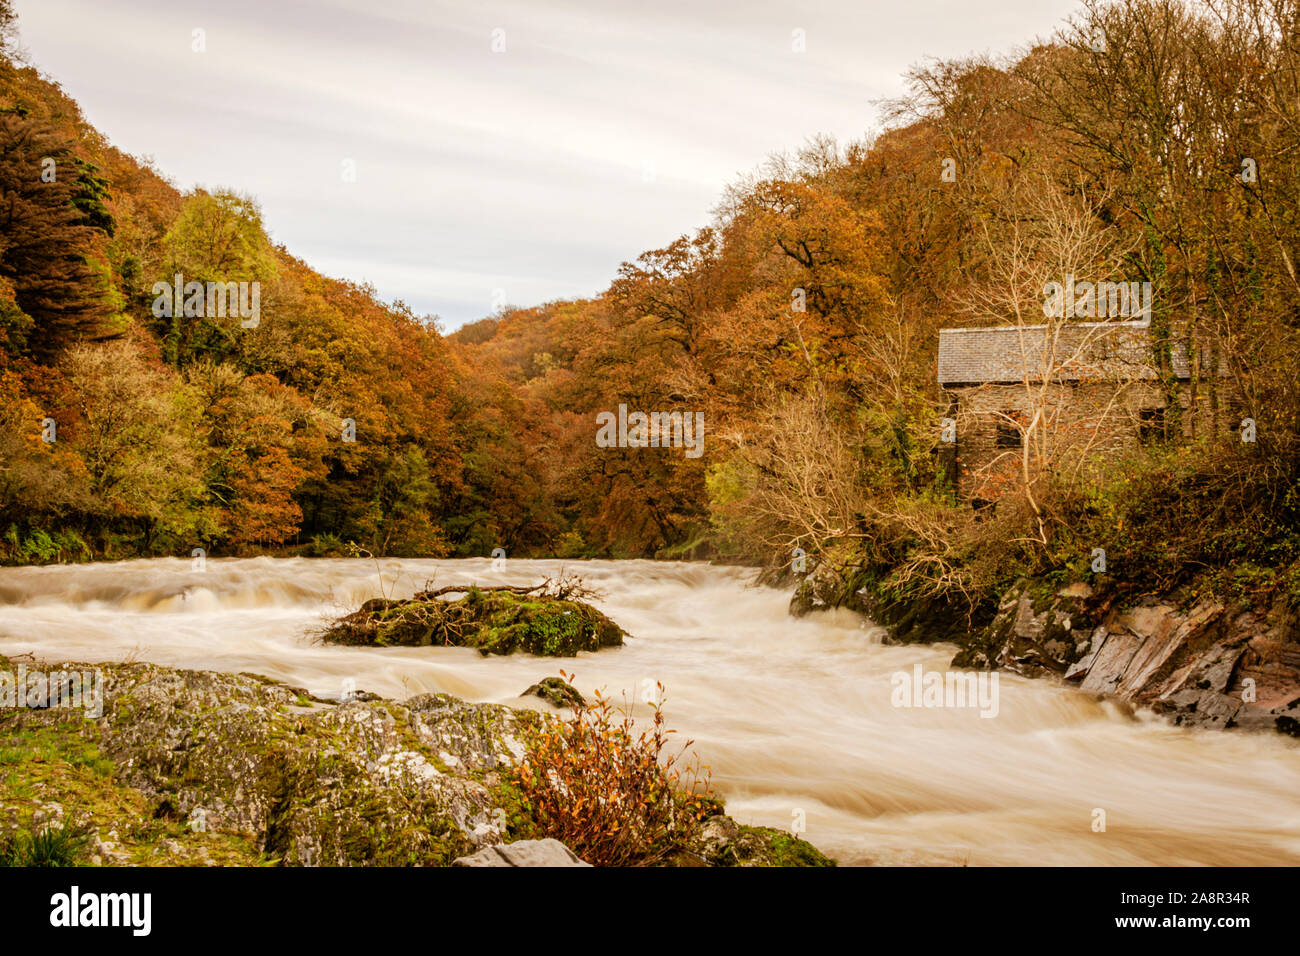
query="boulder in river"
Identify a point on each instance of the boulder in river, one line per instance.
(557, 692)
(548, 622)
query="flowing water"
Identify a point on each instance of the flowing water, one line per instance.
(791, 715)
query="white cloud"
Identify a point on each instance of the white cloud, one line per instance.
(477, 170)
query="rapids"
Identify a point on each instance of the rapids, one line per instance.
(791, 715)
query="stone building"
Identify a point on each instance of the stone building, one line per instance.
(1065, 390)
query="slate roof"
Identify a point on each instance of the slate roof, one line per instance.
(1073, 351)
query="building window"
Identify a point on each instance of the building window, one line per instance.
(1151, 425)
(1008, 435)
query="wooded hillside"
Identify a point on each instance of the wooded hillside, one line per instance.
(1149, 141)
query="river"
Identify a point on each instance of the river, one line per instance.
(796, 718)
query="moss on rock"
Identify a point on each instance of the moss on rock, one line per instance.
(373, 782)
(495, 621)
(556, 691)
(55, 779)
(728, 843)
(201, 768)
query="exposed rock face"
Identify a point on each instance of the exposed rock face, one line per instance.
(1196, 661)
(1199, 664)
(197, 766)
(831, 581)
(546, 852)
(318, 783)
(840, 579)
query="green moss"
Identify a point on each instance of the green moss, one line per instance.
(543, 628)
(494, 622)
(767, 847)
(556, 691)
(60, 762)
(788, 850)
(518, 812)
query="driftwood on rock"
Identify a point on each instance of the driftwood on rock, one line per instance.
(549, 619)
(565, 589)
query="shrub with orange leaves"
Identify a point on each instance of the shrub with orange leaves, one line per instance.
(613, 795)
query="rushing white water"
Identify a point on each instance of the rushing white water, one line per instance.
(789, 714)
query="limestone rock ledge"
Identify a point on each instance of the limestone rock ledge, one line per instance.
(197, 767)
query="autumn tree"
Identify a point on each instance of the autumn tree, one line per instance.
(51, 221)
(38, 477)
(262, 442)
(137, 433)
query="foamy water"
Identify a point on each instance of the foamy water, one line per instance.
(791, 715)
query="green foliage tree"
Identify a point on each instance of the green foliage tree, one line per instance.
(217, 237)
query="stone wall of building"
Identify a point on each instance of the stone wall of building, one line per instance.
(1077, 419)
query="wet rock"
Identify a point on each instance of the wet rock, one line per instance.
(1028, 625)
(833, 579)
(546, 852)
(839, 578)
(557, 692)
(1033, 632)
(1110, 662)
(1197, 661)
(781, 578)
(1200, 707)
(1284, 719)
(1202, 664)
(1087, 655)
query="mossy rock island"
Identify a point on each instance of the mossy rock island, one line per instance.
(546, 620)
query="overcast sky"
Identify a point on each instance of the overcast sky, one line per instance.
(602, 129)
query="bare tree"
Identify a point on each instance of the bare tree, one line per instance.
(1054, 236)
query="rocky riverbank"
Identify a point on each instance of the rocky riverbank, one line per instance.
(203, 768)
(1193, 658)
